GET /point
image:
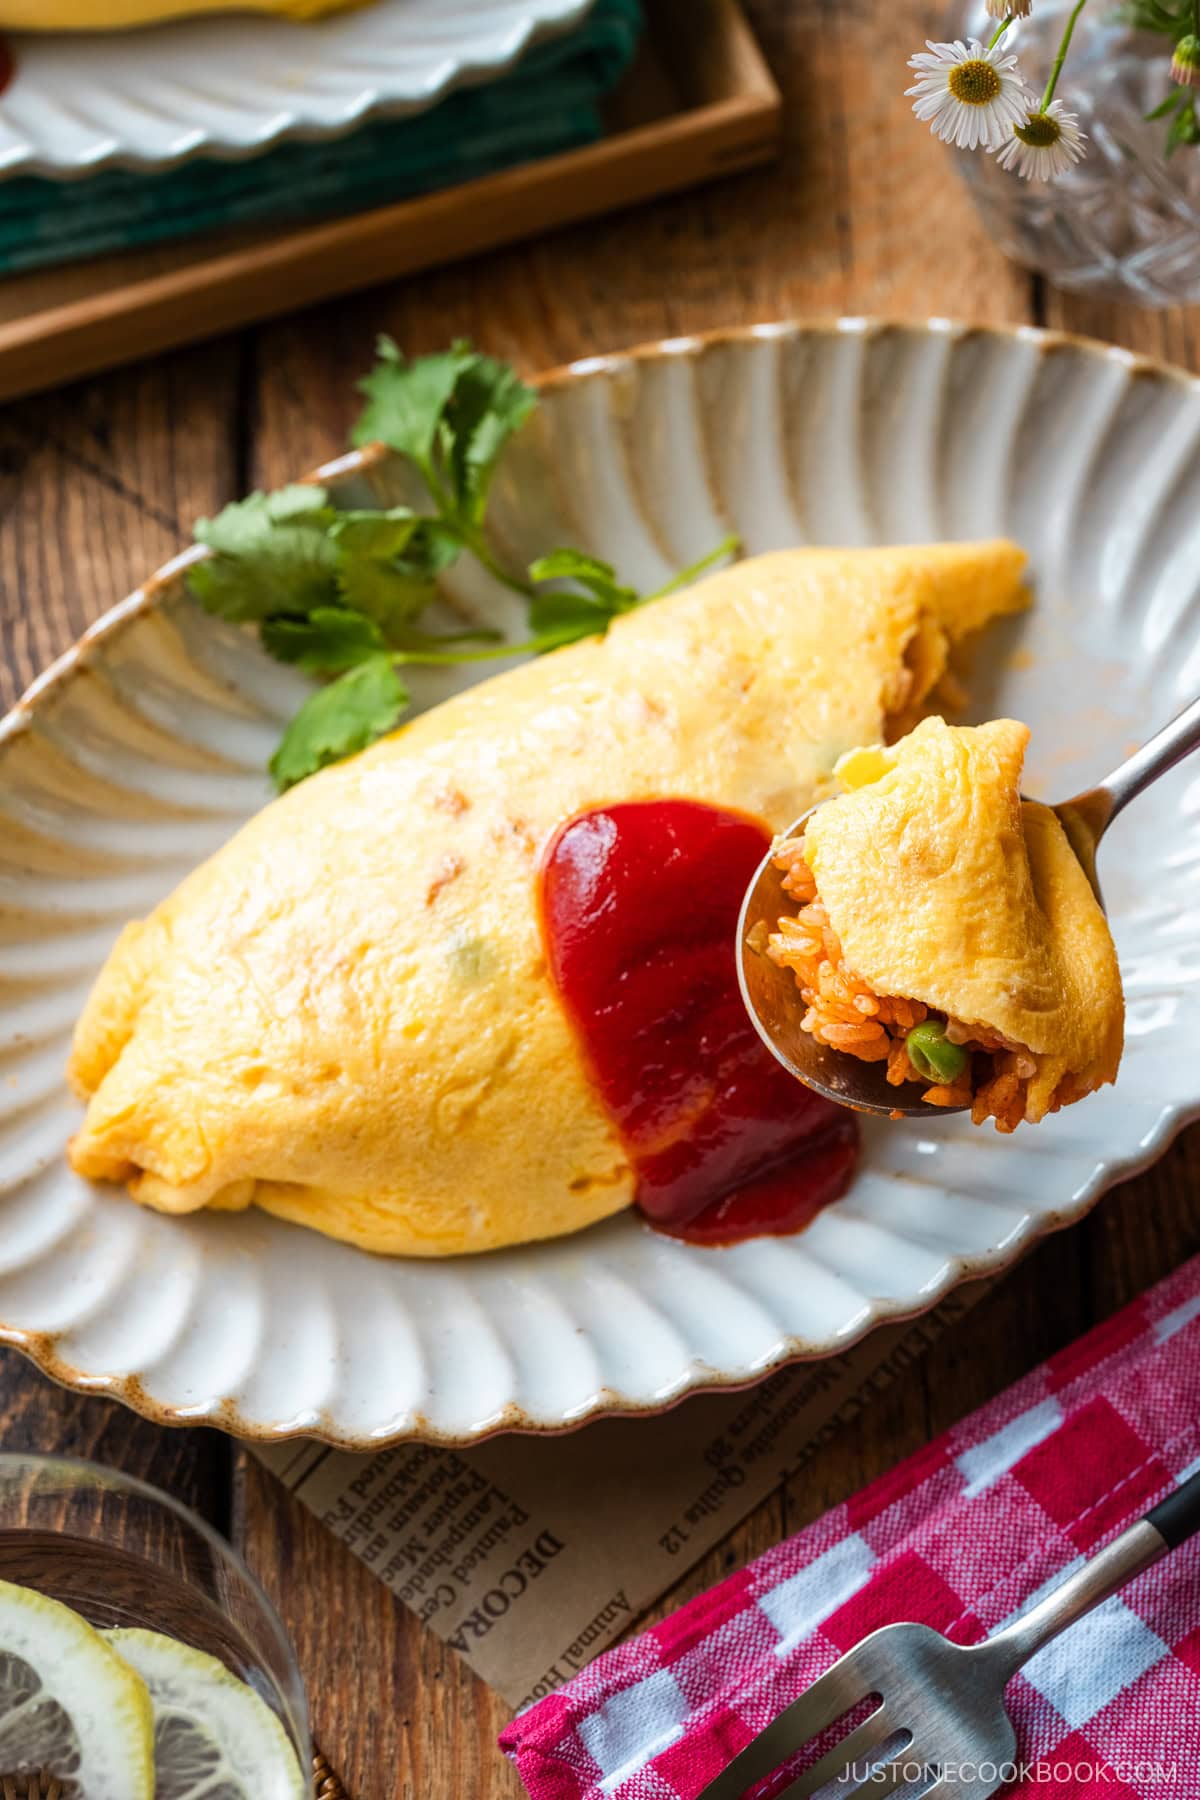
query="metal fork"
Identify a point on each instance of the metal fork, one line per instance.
(940, 1726)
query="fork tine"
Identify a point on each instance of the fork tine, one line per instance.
(855, 1747)
(831, 1695)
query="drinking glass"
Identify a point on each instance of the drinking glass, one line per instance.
(1123, 223)
(124, 1554)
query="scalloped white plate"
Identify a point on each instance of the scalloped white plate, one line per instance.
(139, 753)
(230, 86)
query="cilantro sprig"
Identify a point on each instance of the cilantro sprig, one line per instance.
(342, 593)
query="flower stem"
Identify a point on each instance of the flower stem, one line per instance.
(1003, 26)
(1061, 58)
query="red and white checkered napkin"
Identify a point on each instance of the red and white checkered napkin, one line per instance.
(961, 1536)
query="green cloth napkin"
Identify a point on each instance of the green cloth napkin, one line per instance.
(549, 103)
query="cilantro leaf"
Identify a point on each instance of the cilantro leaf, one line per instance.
(438, 543)
(561, 616)
(328, 640)
(599, 578)
(389, 564)
(564, 615)
(238, 528)
(490, 402)
(409, 538)
(339, 719)
(406, 400)
(389, 595)
(377, 534)
(557, 619)
(451, 415)
(271, 553)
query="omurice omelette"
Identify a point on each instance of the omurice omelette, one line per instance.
(947, 926)
(475, 985)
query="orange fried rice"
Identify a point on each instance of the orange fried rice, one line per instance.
(846, 1014)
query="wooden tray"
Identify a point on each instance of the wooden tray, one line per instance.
(699, 101)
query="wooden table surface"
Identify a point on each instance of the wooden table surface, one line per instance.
(101, 482)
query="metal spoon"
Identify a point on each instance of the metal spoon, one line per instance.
(774, 1001)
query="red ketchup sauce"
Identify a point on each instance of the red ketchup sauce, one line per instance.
(8, 64)
(639, 906)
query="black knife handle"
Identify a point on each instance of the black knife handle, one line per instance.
(1178, 1516)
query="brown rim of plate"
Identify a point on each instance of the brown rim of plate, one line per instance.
(41, 1347)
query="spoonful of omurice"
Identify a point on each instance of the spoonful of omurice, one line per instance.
(930, 937)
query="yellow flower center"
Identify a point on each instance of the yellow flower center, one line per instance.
(975, 83)
(1039, 131)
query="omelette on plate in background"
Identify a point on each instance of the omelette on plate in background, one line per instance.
(475, 985)
(115, 15)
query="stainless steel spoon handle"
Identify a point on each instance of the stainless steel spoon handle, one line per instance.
(1099, 806)
(1167, 1525)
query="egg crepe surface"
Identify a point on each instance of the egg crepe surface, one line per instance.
(345, 1016)
(944, 886)
(116, 15)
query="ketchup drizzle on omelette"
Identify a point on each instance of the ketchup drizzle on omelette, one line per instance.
(639, 906)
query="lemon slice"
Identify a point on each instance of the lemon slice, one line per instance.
(69, 1705)
(213, 1736)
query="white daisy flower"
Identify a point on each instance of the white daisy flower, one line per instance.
(970, 95)
(1044, 144)
(1009, 9)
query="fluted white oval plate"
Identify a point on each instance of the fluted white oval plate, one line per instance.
(232, 85)
(141, 751)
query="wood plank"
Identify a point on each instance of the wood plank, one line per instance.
(36, 1415)
(1170, 336)
(710, 52)
(395, 1711)
(97, 486)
